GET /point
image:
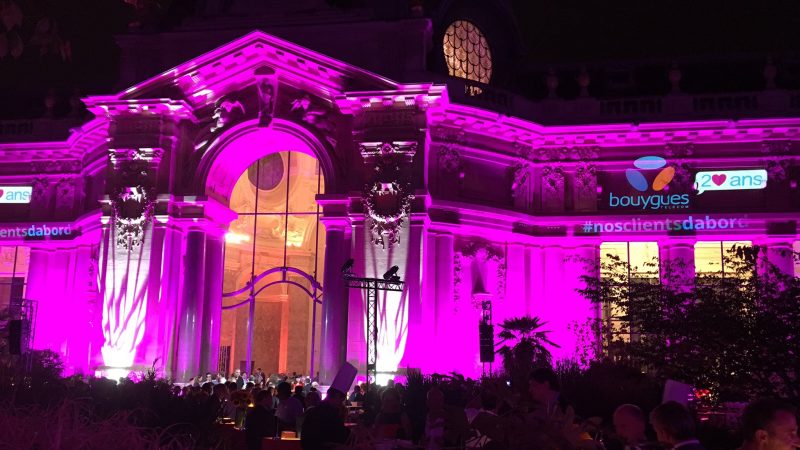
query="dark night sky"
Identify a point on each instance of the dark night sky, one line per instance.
(551, 31)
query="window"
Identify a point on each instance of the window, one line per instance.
(709, 257)
(631, 265)
(467, 53)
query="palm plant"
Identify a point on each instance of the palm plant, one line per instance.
(523, 345)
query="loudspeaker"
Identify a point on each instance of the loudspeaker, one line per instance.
(486, 333)
(15, 337)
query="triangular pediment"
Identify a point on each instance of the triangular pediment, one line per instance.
(204, 79)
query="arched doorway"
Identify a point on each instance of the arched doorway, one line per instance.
(274, 253)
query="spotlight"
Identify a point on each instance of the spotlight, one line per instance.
(347, 268)
(391, 274)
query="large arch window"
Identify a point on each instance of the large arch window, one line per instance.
(467, 53)
(278, 225)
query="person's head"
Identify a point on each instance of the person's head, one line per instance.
(673, 423)
(335, 397)
(435, 399)
(390, 400)
(390, 383)
(543, 384)
(313, 399)
(221, 391)
(208, 376)
(489, 400)
(284, 390)
(264, 398)
(207, 387)
(237, 373)
(770, 425)
(298, 390)
(629, 423)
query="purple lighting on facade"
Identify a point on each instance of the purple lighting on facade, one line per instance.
(498, 209)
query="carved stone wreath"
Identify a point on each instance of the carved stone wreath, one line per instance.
(387, 205)
(387, 200)
(133, 209)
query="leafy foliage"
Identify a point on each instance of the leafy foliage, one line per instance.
(734, 334)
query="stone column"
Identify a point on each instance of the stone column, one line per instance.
(678, 254)
(334, 299)
(212, 303)
(190, 312)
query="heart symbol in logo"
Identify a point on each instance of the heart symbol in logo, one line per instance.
(719, 179)
(1, 193)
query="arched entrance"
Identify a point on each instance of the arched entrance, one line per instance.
(270, 177)
(274, 254)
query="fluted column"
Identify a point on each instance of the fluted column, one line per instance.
(212, 303)
(334, 299)
(190, 311)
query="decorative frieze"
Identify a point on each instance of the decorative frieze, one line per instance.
(679, 150)
(573, 153)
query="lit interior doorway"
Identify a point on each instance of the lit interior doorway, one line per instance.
(278, 225)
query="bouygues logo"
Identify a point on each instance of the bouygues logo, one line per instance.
(652, 193)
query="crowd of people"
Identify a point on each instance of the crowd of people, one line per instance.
(272, 405)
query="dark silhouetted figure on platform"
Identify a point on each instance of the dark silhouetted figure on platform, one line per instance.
(323, 427)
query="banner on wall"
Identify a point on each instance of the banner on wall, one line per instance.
(15, 194)
(649, 187)
(38, 232)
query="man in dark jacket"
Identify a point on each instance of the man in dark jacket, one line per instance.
(260, 421)
(323, 426)
(675, 427)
